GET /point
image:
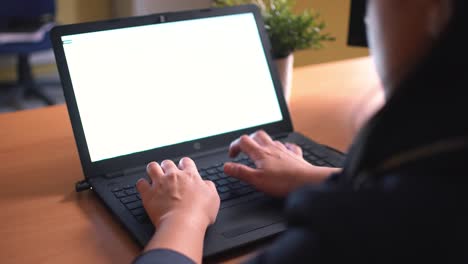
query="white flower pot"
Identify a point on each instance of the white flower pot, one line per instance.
(285, 71)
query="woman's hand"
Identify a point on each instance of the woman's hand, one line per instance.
(280, 167)
(180, 204)
(178, 192)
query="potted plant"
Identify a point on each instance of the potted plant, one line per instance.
(288, 32)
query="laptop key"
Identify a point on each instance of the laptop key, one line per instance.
(211, 171)
(236, 185)
(222, 175)
(143, 219)
(138, 211)
(129, 199)
(222, 189)
(222, 182)
(120, 194)
(128, 186)
(213, 177)
(231, 179)
(131, 191)
(225, 196)
(244, 191)
(237, 159)
(116, 189)
(134, 205)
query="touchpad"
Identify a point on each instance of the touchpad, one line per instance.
(249, 217)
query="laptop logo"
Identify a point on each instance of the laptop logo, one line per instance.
(197, 146)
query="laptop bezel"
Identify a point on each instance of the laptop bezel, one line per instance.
(107, 166)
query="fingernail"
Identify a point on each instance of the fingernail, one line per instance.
(148, 167)
(138, 182)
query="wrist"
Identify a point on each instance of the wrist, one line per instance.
(181, 233)
(184, 220)
(317, 174)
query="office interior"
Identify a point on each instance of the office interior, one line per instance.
(334, 12)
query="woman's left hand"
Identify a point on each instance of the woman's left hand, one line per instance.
(178, 193)
(181, 206)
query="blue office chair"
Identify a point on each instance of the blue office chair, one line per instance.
(25, 16)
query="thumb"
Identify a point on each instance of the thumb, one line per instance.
(242, 172)
(143, 187)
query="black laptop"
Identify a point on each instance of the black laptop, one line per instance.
(171, 85)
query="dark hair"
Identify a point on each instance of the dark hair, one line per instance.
(435, 91)
(447, 62)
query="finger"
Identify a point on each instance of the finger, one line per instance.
(234, 148)
(143, 187)
(241, 172)
(280, 145)
(294, 148)
(262, 138)
(168, 166)
(187, 164)
(154, 171)
(247, 145)
(210, 184)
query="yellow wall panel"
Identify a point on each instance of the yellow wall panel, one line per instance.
(336, 14)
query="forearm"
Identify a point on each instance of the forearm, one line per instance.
(179, 235)
(318, 175)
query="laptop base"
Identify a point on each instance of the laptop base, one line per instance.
(253, 217)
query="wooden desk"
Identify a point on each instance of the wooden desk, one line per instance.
(44, 221)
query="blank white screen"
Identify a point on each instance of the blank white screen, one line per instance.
(146, 87)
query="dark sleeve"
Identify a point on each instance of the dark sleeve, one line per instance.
(162, 256)
(296, 245)
(334, 224)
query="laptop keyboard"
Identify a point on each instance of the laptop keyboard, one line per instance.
(231, 190)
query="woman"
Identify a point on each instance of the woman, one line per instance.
(401, 196)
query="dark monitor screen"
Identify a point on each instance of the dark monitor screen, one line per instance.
(357, 27)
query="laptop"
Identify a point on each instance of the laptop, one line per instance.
(171, 85)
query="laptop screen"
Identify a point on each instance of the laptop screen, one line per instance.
(145, 87)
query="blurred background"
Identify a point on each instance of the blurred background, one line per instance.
(42, 63)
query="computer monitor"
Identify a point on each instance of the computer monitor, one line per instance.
(357, 28)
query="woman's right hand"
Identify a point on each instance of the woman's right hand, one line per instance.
(280, 168)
